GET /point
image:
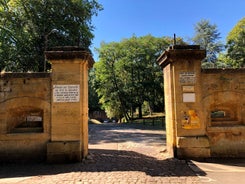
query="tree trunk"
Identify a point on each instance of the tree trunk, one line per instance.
(140, 111)
(132, 113)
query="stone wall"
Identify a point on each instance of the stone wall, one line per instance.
(223, 98)
(44, 116)
(24, 115)
(205, 114)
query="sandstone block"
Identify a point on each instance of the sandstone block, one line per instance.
(63, 152)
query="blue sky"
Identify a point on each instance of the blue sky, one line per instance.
(123, 18)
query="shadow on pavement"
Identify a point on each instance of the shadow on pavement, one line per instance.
(120, 160)
(103, 161)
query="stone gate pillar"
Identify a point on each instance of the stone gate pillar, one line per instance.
(69, 104)
(186, 135)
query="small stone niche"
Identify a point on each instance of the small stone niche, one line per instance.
(224, 117)
(26, 121)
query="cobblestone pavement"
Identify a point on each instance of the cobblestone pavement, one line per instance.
(118, 154)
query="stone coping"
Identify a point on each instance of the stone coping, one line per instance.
(7, 75)
(66, 48)
(223, 129)
(69, 52)
(223, 70)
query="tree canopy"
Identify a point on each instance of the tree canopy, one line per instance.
(207, 36)
(127, 75)
(236, 45)
(29, 27)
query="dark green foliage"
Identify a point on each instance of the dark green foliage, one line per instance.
(127, 75)
(93, 97)
(236, 45)
(29, 27)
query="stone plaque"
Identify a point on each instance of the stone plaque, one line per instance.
(66, 93)
(187, 77)
(188, 88)
(189, 97)
(34, 118)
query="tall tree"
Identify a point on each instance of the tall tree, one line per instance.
(207, 36)
(108, 83)
(29, 27)
(93, 99)
(128, 76)
(236, 45)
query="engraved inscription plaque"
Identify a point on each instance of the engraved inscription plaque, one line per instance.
(66, 93)
(187, 77)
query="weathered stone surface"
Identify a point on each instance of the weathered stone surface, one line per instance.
(193, 147)
(193, 152)
(196, 100)
(69, 119)
(24, 95)
(29, 116)
(193, 142)
(65, 151)
(23, 147)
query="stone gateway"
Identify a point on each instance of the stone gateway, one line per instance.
(44, 116)
(205, 108)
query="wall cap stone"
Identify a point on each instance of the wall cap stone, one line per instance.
(223, 70)
(9, 75)
(69, 52)
(178, 52)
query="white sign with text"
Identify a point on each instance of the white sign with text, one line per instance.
(187, 77)
(66, 93)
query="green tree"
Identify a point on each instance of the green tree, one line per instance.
(236, 45)
(207, 36)
(29, 27)
(108, 83)
(128, 76)
(94, 104)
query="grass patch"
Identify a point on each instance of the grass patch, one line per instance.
(155, 119)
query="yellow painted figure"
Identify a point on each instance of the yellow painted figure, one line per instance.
(191, 120)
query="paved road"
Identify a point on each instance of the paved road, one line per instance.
(220, 171)
(119, 154)
(125, 154)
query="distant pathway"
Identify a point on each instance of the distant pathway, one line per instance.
(143, 139)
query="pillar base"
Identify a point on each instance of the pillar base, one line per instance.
(64, 152)
(193, 147)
